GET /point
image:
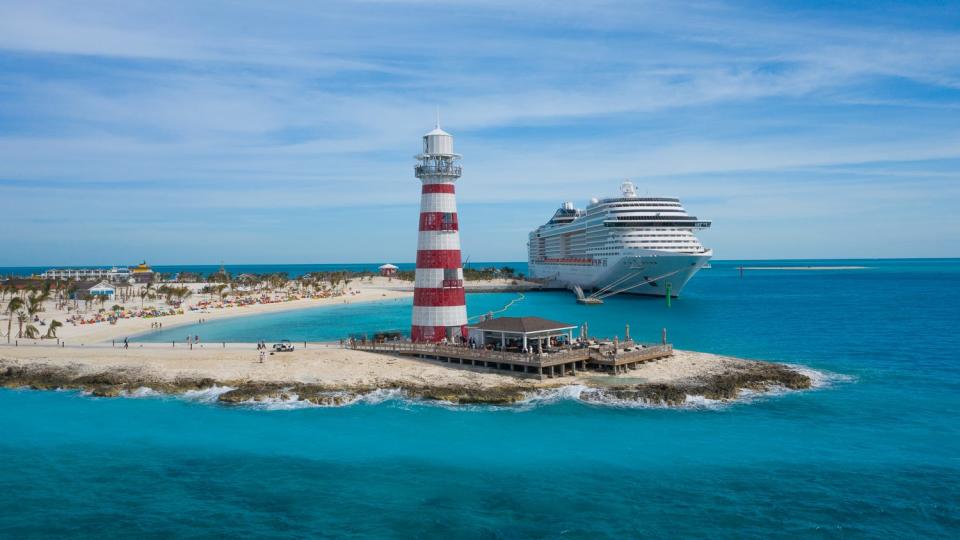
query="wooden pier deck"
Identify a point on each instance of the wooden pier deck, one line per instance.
(541, 365)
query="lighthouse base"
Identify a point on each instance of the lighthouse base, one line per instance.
(436, 334)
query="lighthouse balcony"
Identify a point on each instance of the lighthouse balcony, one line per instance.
(442, 169)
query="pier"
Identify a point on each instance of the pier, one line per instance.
(603, 357)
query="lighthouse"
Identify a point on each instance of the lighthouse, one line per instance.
(439, 304)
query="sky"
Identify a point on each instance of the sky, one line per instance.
(284, 132)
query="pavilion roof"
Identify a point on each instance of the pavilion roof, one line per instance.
(521, 325)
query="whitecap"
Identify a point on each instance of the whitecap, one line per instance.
(141, 392)
(819, 378)
(287, 403)
(381, 395)
(206, 395)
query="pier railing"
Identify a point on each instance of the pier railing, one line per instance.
(440, 349)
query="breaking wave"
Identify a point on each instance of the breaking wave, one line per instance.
(573, 393)
(207, 395)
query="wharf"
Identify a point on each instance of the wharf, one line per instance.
(563, 362)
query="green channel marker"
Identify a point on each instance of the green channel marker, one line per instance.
(669, 286)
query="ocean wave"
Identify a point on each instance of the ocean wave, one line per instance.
(292, 401)
(599, 397)
(287, 403)
(576, 393)
(206, 395)
(142, 392)
(820, 378)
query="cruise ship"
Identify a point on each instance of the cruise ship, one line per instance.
(627, 244)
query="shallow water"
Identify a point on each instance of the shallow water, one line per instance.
(874, 452)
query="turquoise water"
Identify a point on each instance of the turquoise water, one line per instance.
(874, 452)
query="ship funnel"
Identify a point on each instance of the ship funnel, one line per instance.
(627, 189)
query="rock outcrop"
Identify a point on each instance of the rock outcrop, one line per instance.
(728, 385)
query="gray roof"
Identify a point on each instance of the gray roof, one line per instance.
(521, 325)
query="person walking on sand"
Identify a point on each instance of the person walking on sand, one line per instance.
(262, 354)
(126, 344)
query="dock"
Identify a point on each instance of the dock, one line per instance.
(608, 358)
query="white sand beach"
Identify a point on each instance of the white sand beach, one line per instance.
(331, 365)
(365, 291)
(96, 348)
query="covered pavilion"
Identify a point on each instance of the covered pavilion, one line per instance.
(521, 333)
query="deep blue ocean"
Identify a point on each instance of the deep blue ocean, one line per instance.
(873, 452)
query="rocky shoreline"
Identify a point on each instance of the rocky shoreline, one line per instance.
(119, 381)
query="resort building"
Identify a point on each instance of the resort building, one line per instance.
(521, 334)
(116, 274)
(388, 270)
(142, 273)
(92, 289)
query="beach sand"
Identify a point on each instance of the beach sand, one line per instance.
(358, 291)
(312, 373)
(91, 362)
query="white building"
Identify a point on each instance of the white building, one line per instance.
(116, 274)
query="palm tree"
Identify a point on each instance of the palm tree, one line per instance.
(35, 302)
(15, 304)
(52, 329)
(144, 293)
(30, 331)
(22, 318)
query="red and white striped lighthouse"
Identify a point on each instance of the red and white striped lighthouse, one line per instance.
(439, 304)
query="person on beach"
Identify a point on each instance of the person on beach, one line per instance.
(126, 344)
(262, 355)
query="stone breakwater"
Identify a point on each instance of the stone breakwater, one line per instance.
(120, 381)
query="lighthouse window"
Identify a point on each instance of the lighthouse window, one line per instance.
(448, 221)
(451, 278)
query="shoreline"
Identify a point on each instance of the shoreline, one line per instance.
(376, 290)
(331, 376)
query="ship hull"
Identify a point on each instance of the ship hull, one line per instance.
(637, 271)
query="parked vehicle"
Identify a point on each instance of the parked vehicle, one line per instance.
(283, 346)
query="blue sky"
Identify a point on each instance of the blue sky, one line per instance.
(244, 132)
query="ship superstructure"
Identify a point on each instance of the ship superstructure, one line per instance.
(625, 244)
